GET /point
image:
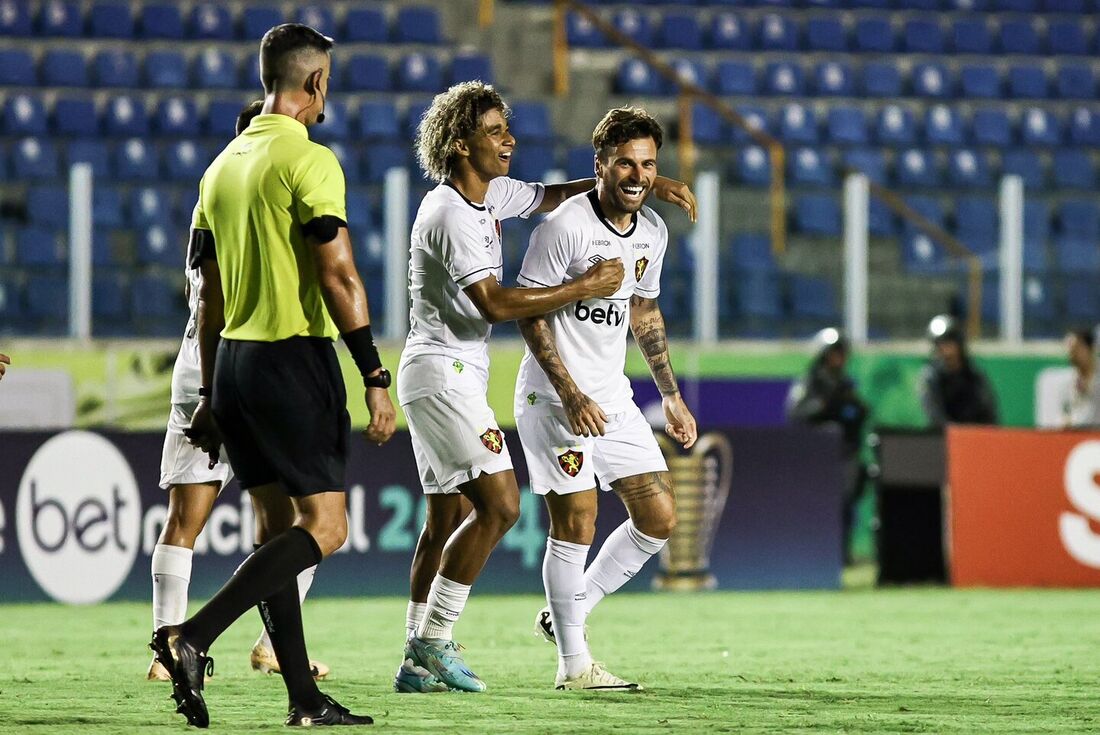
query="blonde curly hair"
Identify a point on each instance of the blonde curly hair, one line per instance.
(453, 115)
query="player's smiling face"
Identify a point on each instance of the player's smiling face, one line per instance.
(491, 147)
(626, 175)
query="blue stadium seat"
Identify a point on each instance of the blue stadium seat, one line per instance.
(177, 117)
(151, 206)
(47, 206)
(1027, 82)
(221, 118)
(64, 69)
(532, 162)
(211, 21)
(384, 156)
(156, 297)
(1084, 127)
(47, 297)
(366, 25)
(784, 79)
(256, 20)
(635, 25)
(729, 31)
(868, 161)
(817, 214)
(706, 125)
(797, 124)
(15, 18)
(759, 295)
(34, 159)
(107, 207)
(778, 33)
(931, 80)
(215, 69)
(581, 33)
(991, 127)
(917, 168)
(979, 81)
(1027, 165)
(419, 73)
(752, 253)
(1081, 218)
(880, 220)
(1065, 6)
(968, 169)
(875, 35)
(755, 117)
(936, 4)
(1067, 38)
(378, 121)
(419, 24)
(1016, 6)
(530, 122)
(834, 79)
(11, 301)
(680, 31)
(159, 244)
(1073, 169)
(367, 73)
(38, 246)
(125, 116)
(17, 68)
(732, 78)
(881, 80)
(1036, 235)
(111, 20)
(923, 36)
(1082, 300)
(413, 114)
(688, 71)
(93, 152)
(826, 33)
(336, 125)
(360, 219)
(116, 69)
(976, 224)
(813, 298)
(846, 125)
(921, 254)
(63, 19)
(1039, 127)
(161, 21)
(635, 77)
(467, 66)
(1075, 81)
(972, 36)
(928, 208)
(1075, 255)
(318, 17)
(753, 166)
(579, 162)
(24, 114)
(348, 156)
(809, 167)
(1018, 36)
(109, 301)
(136, 160)
(186, 161)
(896, 126)
(165, 70)
(942, 126)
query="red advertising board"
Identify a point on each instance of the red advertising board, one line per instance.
(1024, 507)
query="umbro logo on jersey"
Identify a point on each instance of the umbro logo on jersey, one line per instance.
(493, 440)
(639, 268)
(612, 315)
(596, 259)
(571, 462)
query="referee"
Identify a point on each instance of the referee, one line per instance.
(278, 285)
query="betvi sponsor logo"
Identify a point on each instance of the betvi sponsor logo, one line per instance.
(611, 315)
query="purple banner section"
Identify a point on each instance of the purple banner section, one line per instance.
(80, 513)
(725, 403)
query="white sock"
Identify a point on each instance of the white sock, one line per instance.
(446, 599)
(305, 581)
(171, 577)
(622, 555)
(563, 577)
(414, 614)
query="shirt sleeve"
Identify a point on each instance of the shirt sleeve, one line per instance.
(649, 285)
(548, 257)
(462, 249)
(318, 186)
(511, 198)
(198, 216)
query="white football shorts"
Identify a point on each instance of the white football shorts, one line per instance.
(183, 464)
(455, 439)
(560, 461)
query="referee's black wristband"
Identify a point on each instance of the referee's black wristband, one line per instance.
(205, 392)
(360, 344)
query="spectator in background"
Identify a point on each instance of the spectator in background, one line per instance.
(827, 395)
(1081, 401)
(4, 360)
(953, 389)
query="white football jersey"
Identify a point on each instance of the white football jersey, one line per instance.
(455, 243)
(591, 336)
(187, 372)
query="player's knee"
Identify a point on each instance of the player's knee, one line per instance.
(659, 522)
(576, 527)
(179, 530)
(501, 516)
(330, 536)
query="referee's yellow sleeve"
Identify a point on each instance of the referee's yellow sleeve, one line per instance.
(198, 216)
(319, 186)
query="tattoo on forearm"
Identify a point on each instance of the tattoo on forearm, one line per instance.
(536, 332)
(640, 487)
(648, 327)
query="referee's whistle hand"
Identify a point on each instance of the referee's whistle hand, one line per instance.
(383, 416)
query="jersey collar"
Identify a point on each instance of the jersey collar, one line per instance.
(595, 199)
(273, 121)
(478, 207)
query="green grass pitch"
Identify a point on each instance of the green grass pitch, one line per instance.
(914, 660)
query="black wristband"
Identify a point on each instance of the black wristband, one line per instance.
(205, 392)
(360, 344)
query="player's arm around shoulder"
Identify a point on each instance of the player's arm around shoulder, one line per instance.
(648, 326)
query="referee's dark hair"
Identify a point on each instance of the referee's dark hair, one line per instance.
(251, 110)
(283, 47)
(1085, 337)
(622, 125)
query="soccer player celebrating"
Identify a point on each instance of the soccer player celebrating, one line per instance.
(278, 285)
(193, 486)
(454, 283)
(575, 412)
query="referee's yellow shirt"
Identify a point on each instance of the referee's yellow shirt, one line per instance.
(254, 198)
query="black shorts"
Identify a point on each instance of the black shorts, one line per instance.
(282, 410)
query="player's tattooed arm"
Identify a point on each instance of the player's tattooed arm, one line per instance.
(210, 319)
(664, 188)
(586, 418)
(648, 326)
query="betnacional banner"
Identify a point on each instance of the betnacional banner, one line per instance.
(1024, 507)
(80, 513)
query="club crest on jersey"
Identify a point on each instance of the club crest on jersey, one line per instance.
(493, 440)
(639, 268)
(571, 462)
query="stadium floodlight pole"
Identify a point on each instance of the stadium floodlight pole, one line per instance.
(705, 244)
(396, 224)
(80, 250)
(1012, 259)
(856, 205)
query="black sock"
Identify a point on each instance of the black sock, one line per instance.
(282, 616)
(274, 566)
